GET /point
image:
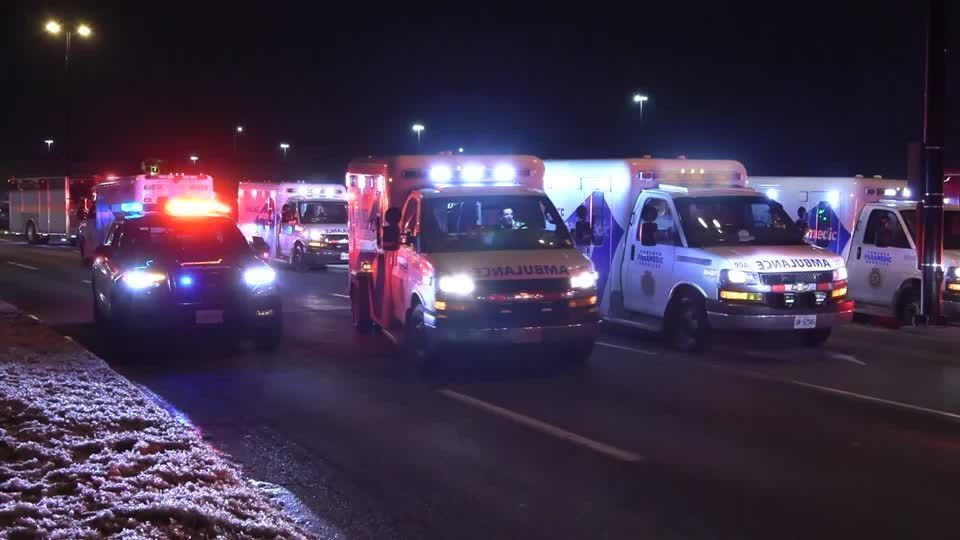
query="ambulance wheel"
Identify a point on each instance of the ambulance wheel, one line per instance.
(31, 233)
(686, 323)
(817, 337)
(415, 341)
(298, 259)
(359, 309)
(84, 260)
(909, 307)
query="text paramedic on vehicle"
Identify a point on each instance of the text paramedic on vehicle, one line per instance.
(455, 249)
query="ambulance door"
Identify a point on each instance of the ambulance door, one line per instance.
(882, 257)
(289, 221)
(647, 271)
(406, 271)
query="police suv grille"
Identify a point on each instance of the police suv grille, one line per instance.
(796, 277)
(509, 286)
(208, 285)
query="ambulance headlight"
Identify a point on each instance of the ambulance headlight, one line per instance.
(316, 235)
(953, 273)
(259, 276)
(504, 173)
(584, 280)
(441, 173)
(840, 274)
(457, 284)
(739, 277)
(139, 280)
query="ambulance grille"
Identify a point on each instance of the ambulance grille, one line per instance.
(796, 277)
(510, 286)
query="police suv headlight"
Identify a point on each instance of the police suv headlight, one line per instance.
(584, 280)
(840, 274)
(259, 276)
(739, 277)
(143, 279)
(456, 284)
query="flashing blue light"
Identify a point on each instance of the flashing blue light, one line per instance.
(131, 207)
(186, 281)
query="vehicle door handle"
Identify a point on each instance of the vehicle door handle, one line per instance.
(633, 251)
(859, 248)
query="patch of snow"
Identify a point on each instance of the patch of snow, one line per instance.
(85, 454)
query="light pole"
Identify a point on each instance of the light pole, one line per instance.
(418, 128)
(49, 143)
(236, 136)
(194, 159)
(284, 147)
(53, 27)
(640, 99)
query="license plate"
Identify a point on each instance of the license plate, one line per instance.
(804, 322)
(344, 256)
(209, 316)
(528, 335)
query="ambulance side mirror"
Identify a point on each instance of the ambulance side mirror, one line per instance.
(648, 233)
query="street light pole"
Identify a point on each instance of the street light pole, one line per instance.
(418, 128)
(236, 136)
(194, 159)
(640, 99)
(49, 143)
(84, 31)
(931, 206)
(284, 147)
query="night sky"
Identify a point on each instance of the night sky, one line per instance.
(788, 88)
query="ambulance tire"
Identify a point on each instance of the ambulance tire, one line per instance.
(686, 326)
(416, 344)
(817, 337)
(360, 307)
(298, 259)
(30, 232)
(85, 261)
(908, 307)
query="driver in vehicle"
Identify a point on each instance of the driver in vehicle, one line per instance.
(508, 222)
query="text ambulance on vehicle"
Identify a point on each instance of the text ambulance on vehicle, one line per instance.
(884, 266)
(302, 224)
(133, 194)
(685, 247)
(832, 205)
(465, 249)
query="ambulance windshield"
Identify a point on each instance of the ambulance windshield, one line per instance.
(951, 227)
(484, 223)
(323, 212)
(736, 220)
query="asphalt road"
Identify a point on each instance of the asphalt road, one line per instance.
(759, 438)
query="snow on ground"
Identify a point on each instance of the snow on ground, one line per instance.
(85, 454)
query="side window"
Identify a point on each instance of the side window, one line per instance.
(658, 211)
(288, 213)
(408, 220)
(884, 230)
(112, 235)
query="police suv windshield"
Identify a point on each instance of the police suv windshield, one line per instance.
(323, 212)
(736, 220)
(483, 223)
(183, 239)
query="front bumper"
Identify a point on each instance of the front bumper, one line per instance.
(256, 312)
(483, 327)
(498, 336)
(327, 255)
(723, 315)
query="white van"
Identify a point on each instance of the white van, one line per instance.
(302, 224)
(685, 247)
(134, 194)
(455, 249)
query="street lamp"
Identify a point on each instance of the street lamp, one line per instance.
(49, 143)
(194, 160)
(418, 128)
(460, 150)
(640, 99)
(284, 147)
(236, 135)
(54, 27)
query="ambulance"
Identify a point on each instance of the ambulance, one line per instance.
(832, 204)
(454, 249)
(685, 247)
(302, 224)
(133, 195)
(883, 261)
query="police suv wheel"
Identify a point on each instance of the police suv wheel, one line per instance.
(686, 324)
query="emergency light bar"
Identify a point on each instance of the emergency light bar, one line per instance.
(195, 207)
(473, 174)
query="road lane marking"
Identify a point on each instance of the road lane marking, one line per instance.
(23, 265)
(338, 295)
(847, 358)
(87, 281)
(625, 348)
(874, 399)
(34, 317)
(539, 425)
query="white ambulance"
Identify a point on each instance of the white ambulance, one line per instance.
(831, 205)
(301, 224)
(133, 195)
(455, 249)
(883, 262)
(684, 246)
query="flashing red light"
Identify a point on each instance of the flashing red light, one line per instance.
(196, 207)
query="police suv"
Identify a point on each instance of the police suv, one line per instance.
(685, 247)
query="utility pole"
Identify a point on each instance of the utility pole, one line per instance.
(934, 92)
